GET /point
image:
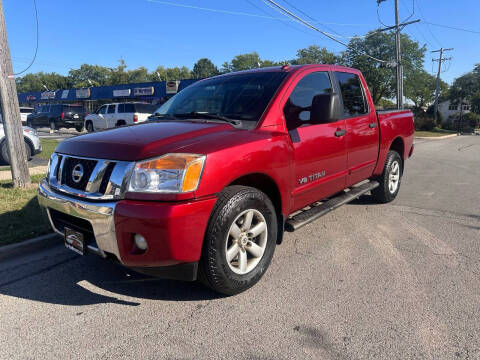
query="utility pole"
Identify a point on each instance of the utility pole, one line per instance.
(11, 112)
(398, 51)
(398, 54)
(437, 87)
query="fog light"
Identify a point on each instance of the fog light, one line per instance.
(140, 242)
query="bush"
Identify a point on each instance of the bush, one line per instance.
(471, 119)
(424, 122)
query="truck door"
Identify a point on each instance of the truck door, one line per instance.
(319, 149)
(99, 119)
(362, 128)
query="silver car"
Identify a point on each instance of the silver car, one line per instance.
(32, 143)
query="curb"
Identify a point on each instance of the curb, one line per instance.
(28, 246)
(436, 137)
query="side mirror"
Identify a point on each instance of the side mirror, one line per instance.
(325, 108)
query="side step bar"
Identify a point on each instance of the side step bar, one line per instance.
(316, 211)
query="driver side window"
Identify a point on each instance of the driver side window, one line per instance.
(102, 110)
(298, 106)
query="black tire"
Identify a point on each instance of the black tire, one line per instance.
(89, 127)
(383, 193)
(120, 123)
(6, 157)
(214, 270)
(79, 128)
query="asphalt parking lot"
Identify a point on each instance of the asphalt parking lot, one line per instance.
(395, 281)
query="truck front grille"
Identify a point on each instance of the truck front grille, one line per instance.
(76, 182)
(95, 179)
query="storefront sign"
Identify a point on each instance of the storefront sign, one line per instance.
(31, 98)
(172, 87)
(123, 92)
(65, 94)
(82, 93)
(48, 95)
(144, 91)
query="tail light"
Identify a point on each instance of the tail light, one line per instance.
(86, 114)
(135, 118)
(62, 115)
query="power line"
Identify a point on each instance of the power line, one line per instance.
(306, 23)
(428, 27)
(452, 27)
(36, 46)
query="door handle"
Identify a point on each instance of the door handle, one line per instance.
(339, 133)
(372, 125)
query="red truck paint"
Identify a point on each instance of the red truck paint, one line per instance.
(174, 224)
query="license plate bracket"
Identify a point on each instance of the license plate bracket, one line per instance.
(74, 241)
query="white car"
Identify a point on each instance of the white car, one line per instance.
(118, 114)
(24, 112)
(31, 139)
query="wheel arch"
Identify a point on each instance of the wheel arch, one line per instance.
(267, 185)
(398, 145)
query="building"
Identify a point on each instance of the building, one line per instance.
(155, 92)
(451, 112)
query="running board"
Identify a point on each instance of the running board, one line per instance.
(316, 211)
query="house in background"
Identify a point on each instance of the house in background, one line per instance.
(451, 112)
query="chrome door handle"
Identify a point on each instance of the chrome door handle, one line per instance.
(372, 125)
(339, 133)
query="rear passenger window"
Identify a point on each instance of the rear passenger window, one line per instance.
(129, 108)
(353, 96)
(121, 108)
(297, 108)
(111, 109)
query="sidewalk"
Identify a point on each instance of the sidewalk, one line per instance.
(7, 175)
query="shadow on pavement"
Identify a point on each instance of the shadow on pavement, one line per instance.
(73, 280)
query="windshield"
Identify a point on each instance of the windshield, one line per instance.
(240, 96)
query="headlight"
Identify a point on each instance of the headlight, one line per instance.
(171, 173)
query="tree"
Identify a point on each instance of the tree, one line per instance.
(380, 79)
(204, 68)
(314, 54)
(248, 61)
(98, 75)
(168, 74)
(36, 82)
(420, 88)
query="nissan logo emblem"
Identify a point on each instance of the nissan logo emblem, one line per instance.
(77, 173)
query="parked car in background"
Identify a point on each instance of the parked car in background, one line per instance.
(32, 143)
(58, 115)
(118, 114)
(24, 112)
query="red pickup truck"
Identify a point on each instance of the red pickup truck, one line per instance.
(207, 187)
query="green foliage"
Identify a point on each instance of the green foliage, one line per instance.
(420, 87)
(246, 62)
(204, 68)
(314, 54)
(382, 80)
(467, 88)
(35, 82)
(471, 119)
(385, 104)
(424, 122)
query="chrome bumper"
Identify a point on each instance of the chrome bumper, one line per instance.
(100, 215)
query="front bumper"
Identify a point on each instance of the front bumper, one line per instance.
(174, 230)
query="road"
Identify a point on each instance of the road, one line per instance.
(394, 281)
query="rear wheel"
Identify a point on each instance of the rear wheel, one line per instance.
(79, 128)
(390, 179)
(5, 156)
(240, 240)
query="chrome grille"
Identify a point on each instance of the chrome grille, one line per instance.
(100, 179)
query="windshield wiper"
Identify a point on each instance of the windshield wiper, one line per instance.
(163, 116)
(206, 115)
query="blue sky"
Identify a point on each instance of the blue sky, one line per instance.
(149, 33)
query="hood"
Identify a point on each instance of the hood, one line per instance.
(142, 141)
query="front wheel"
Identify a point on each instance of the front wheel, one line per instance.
(390, 179)
(240, 240)
(89, 127)
(5, 156)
